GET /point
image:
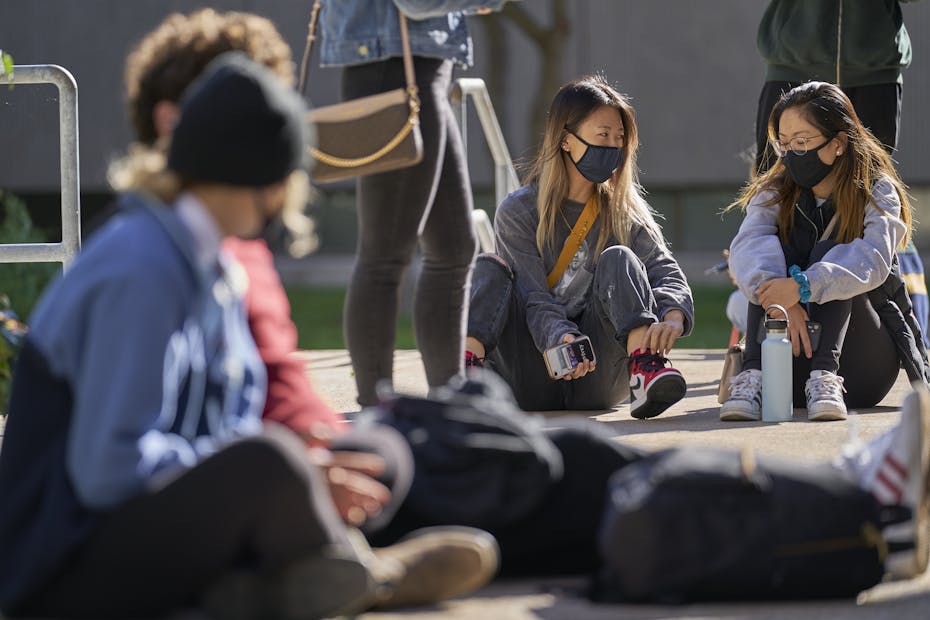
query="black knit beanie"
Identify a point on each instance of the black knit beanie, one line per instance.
(238, 125)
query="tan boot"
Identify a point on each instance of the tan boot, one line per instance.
(438, 563)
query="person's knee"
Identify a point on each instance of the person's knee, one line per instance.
(616, 259)
(273, 463)
(494, 263)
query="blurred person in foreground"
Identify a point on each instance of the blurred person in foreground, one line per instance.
(368, 472)
(136, 472)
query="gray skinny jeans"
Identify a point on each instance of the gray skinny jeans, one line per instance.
(620, 301)
(430, 203)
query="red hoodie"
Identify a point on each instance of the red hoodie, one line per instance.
(291, 400)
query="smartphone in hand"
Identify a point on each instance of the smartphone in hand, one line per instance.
(562, 359)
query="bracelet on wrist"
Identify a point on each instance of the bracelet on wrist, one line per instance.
(804, 285)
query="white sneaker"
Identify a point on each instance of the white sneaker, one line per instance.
(895, 468)
(824, 392)
(745, 402)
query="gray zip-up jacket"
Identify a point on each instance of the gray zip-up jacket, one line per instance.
(846, 270)
(548, 314)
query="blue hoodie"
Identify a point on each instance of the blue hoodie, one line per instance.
(139, 364)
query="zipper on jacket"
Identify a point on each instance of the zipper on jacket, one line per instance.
(839, 41)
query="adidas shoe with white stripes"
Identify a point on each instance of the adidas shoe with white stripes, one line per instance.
(895, 468)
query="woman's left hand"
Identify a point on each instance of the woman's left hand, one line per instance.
(781, 291)
(660, 337)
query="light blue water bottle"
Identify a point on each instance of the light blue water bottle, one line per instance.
(777, 397)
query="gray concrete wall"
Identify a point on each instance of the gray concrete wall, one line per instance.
(690, 67)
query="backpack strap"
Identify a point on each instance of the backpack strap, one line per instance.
(574, 240)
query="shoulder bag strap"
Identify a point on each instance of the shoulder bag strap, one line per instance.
(829, 228)
(573, 242)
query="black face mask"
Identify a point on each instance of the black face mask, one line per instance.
(598, 162)
(807, 170)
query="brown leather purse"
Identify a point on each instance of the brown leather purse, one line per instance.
(368, 135)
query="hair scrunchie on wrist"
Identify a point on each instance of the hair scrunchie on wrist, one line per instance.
(804, 285)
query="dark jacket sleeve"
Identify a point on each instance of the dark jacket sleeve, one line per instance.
(669, 284)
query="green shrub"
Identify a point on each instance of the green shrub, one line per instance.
(11, 335)
(22, 283)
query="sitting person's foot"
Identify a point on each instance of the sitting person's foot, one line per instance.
(745, 402)
(473, 361)
(654, 385)
(330, 582)
(895, 468)
(436, 564)
(824, 392)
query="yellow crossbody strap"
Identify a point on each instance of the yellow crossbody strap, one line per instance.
(574, 239)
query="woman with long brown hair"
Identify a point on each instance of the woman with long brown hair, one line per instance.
(618, 284)
(819, 239)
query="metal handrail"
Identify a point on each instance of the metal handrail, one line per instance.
(505, 175)
(64, 251)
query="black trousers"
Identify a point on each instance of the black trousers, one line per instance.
(620, 300)
(853, 343)
(878, 107)
(428, 204)
(258, 504)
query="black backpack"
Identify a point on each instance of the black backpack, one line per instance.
(700, 524)
(479, 460)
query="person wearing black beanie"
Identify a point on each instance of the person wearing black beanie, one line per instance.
(238, 126)
(136, 405)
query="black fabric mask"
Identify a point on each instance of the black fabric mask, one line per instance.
(807, 170)
(598, 162)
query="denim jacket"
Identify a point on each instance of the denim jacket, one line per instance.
(361, 31)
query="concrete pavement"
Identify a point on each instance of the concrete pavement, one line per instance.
(694, 421)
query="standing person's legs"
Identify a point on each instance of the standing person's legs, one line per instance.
(771, 92)
(878, 106)
(497, 319)
(257, 505)
(391, 206)
(449, 244)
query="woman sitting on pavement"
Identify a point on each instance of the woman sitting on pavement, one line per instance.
(819, 239)
(621, 286)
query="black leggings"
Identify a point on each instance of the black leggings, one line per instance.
(256, 504)
(853, 343)
(429, 203)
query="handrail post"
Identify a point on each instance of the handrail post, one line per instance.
(505, 175)
(67, 249)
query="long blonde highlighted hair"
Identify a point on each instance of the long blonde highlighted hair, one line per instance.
(621, 197)
(864, 161)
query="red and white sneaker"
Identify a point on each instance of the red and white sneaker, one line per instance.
(654, 386)
(895, 468)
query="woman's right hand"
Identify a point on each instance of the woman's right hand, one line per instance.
(797, 331)
(582, 368)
